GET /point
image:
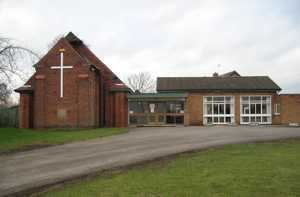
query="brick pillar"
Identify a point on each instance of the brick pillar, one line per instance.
(186, 120)
(25, 115)
(121, 109)
(237, 106)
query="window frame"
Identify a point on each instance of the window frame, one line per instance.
(213, 116)
(264, 100)
(277, 109)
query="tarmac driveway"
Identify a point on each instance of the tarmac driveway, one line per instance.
(36, 168)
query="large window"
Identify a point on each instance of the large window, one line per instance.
(156, 112)
(218, 110)
(256, 109)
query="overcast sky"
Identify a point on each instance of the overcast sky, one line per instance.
(169, 37)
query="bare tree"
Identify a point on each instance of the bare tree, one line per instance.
(142, 82)
(4, 94)
(10, 56)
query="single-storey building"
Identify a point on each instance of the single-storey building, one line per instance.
(221, 99)
(72, 87)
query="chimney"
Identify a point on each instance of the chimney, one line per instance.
(215, 74)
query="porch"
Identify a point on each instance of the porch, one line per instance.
(157, 109)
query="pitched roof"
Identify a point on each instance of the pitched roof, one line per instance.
(249, 83)
(72, 38)
(231, 74)
(90, 57)
(158, 96)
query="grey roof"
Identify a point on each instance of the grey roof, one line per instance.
(231, 74)
(157, 96)
(249, 83)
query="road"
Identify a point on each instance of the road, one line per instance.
(31, 169)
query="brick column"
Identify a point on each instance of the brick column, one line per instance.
(24, 111)
(121, 109)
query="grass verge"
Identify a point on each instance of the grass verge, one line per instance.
(13, 139)
(258, 169)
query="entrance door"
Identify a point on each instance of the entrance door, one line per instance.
(156, 113)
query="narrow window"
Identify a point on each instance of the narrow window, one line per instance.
(277, 109)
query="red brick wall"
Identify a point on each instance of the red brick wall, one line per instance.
(87, 100)
(25, 114)
(290, 108)
(79, 105)
(121, 109)
(194, 105)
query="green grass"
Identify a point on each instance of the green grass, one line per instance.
(15, 139)
(263, 169)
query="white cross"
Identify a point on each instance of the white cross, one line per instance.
(61, 67)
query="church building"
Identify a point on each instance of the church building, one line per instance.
(71, 87)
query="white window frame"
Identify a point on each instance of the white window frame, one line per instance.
(232, 110)
(261, 115)
(277, 109)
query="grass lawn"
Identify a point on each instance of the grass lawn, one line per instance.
(263, 169)
(14, 139)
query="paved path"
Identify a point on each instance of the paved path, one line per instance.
(27, 170)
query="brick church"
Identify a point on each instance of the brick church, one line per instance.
(71, 87)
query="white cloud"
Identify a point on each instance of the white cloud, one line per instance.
(170, 37)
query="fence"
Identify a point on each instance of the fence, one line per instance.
(9, 117)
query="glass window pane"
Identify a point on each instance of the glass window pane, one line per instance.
(245, 99)
(252, 108)
(252, 119)
(264, 98)
(216, 120)
(264, 119)
(216, 109)
(221, 108)
(170, 119)
(136, 107)
(218, 99)
(161, 119)
(142, 119)
(258, 108)
(255, 99)
(221, 119)
(209, 120)
(268, 108)
(245, 119)
(245, 108)
(208, 99)
(228, 119)
(228, 98)
(264, 108)
(227, 110)
(258, 119)
(179, 119)
(208, 108)
(160, 107)
(133, 120)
